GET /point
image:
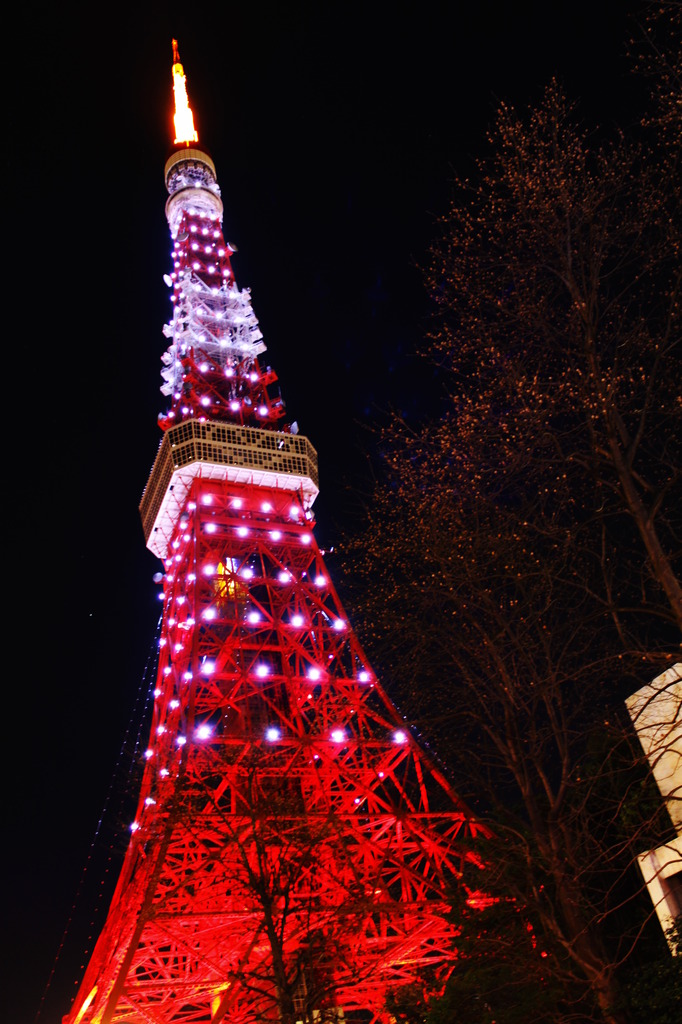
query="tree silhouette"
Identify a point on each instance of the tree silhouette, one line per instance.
(518, 566)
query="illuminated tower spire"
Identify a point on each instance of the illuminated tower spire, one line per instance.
(185, 133)
(211, 368)
(293, 846)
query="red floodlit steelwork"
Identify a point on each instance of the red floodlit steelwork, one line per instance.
(293, 845)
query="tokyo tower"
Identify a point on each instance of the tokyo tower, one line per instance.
(293, 847)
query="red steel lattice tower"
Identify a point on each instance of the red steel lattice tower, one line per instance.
(293, 846)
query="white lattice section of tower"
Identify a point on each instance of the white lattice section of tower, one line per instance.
(218, 321)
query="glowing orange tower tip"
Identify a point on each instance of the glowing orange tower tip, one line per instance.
(294, 846)
(185, 133)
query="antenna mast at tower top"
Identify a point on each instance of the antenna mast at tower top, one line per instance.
(185, 132)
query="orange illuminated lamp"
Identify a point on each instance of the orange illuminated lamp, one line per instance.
(185, 132)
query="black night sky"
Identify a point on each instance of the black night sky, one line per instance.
(335, 128)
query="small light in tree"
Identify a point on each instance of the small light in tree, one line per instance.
(272, 734)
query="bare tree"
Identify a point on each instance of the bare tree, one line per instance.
(518, 568)
(487, 620)
(283, 875)
(556, 278)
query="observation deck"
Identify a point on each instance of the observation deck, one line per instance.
(190, 178)
(221, 451)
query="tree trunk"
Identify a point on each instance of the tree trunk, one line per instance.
(662, 570)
